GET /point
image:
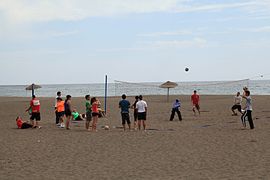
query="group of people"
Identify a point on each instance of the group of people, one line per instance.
(246, 111)
(64, 111)
(195, 101)
(140, 112)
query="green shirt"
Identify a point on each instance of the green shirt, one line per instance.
(88, 106)
(75, 115)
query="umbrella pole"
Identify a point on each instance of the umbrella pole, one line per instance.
(168, 93)
(33, 90)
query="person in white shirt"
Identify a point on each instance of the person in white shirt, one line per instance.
(248, 111)
(237, 104)
(141, 108)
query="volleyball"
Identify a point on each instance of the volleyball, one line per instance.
(106, 127)
(186, 69)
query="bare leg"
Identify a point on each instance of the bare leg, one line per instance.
(139, 124)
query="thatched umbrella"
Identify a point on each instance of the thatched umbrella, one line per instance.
(168, 85)
(32, 88)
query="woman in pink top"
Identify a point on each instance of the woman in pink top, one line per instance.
(95, 113)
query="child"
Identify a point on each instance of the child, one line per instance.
(68, 111)
(248, 110)
(60, 108)
(76, 116)
(35, 115)
(95, 113)
(22, 124)
(88, 108)
(175, 108)
(195, 99)
(237, 104)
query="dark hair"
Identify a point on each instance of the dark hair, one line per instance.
(58, 93)
(195, 91)
(93, 99)
(59, 98)
(140, 97)
(68, 98)
(87, 96)
(177, 100)
(124, 96)
(247, 93)
(33, 96)
(136, 97)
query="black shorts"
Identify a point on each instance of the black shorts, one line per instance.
(95, 114)
(26, 126)
(237, 106)
(135, 116)
(142, 116)
(197, 106)
(35, 116)
(125, 118)
(68, 113)
(60, 114)
(88, 116)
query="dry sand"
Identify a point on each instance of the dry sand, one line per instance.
(211, 146)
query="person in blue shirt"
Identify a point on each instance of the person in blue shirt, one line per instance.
(176, 108)
(125, 105)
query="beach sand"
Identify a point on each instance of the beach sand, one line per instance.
(210, 146)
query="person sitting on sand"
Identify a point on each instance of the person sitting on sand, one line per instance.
(22, 124)
(176, 108)
(237, 104)
(76, 116)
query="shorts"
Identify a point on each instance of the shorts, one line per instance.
(60, 114)
(68, 113)
(95, 114)
(142, 116)
(35, 116)
(135, 116)
(88, 116)
(26, 126)
(197, 106)
(237, 106)
(125, 118)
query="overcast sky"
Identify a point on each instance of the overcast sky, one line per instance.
(79, 41)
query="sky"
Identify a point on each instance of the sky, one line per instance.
(81, 41)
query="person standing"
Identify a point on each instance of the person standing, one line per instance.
(176, 108)
(60, 109)
(248, 110)
(88, 113)
(68, 111)
(35, 116)
(141, 108)
(95, 113)
(237, 104)
(195, 99)
(57, 119)
(135, 114)
(125, 105)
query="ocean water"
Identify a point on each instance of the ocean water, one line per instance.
(257, 87)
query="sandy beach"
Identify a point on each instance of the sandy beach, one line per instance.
(210, 146)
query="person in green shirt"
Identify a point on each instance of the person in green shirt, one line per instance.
(88, 108)
(77, 116)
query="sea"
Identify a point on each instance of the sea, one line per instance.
(257, 87)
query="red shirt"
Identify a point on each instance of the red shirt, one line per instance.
(195, 98)
(19, 123)
(35, 105)
(95, 107)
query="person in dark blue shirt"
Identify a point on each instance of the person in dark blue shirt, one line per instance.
(176, 108)
(125, 105)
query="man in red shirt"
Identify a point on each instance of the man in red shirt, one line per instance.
(35, 107)
(195, 99)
